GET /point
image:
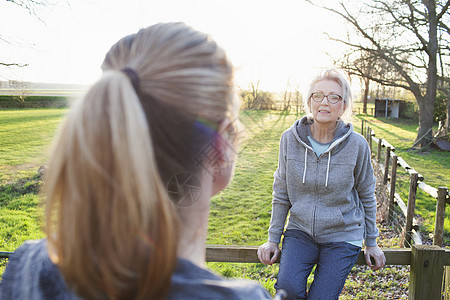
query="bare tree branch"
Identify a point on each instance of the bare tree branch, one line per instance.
(401, 44)
(32, 6)
(443, 11)
(13, 64)
(412, 22)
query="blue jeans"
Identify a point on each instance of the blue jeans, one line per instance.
(299, 255)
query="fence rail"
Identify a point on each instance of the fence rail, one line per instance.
(426, 271)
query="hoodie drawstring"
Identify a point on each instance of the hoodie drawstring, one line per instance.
(306, 158)
(328, 168)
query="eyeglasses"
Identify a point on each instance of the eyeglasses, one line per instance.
(331, 98)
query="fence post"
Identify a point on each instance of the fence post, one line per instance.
(392, 189)
(427, 266)
(387, 159)
(362, 127)
(370, 140)
(438, 238)
(380, 141)
(410, 209)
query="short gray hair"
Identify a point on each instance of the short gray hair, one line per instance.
(337, 76)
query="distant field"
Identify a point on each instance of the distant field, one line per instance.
(40, 92)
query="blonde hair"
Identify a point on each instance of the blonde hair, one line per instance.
(336, 75)
(112, 228)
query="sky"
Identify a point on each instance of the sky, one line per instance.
(275, 43)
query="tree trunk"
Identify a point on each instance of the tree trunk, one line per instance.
(447, 117)
(425, 132)
(366, 93)
(426, 104)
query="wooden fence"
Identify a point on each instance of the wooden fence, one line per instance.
(410, 232)
(416, 180)
(426, 272)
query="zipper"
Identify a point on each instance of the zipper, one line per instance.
(316, 192)
(314, 223)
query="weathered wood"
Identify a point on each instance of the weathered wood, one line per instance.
(438, 237)
(433, 192)
(403, 163)
(394, 256)
(401, 204)
(392, 187)
(375, 139)
(410, 209)
(362, 127)
(446, 283)
(427, 266)
(247, 254)
(380, 141)
(387, 159)
(415, 225)
(387, 144)
(417, 239)
(419, 176)
(367, 134)
(236, 254)
(371, 134)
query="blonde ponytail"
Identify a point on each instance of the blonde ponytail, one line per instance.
(112, 229)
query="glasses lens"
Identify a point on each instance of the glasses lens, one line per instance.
(317, 97)
(334, 98)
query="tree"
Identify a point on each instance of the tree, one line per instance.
(21, 89)
(362, 64)
(255, 98)
(407, 37)
(287, 96)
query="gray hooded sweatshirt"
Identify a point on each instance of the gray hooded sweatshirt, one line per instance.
(331, 197)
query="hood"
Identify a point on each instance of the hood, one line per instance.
(302, 129)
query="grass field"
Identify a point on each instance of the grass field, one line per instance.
(239, 215)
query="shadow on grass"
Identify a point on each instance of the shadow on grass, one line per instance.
(19, 188)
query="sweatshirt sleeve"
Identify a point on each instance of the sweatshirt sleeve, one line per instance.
(280, 197)
(365, 185)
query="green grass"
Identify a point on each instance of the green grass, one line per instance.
(24, 139)
(25, 136)
(240, 215)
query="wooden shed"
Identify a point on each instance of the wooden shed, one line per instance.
(391, 108)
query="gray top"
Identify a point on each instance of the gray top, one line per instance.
(30, 274)
(331, 197)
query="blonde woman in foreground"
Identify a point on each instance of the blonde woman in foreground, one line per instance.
(131, 175)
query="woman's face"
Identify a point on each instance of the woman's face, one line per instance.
(323, 111)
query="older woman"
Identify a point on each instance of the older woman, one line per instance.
(325, 182)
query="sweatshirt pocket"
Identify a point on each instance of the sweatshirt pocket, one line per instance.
(302, 216)
(328, 220)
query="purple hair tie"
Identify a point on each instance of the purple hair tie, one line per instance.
(133, 77)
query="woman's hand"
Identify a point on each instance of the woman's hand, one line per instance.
(377, 255)
(268, 253)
